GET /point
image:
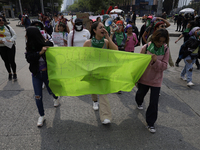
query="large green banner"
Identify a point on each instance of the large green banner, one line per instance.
(75, 71)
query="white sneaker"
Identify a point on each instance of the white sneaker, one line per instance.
(190, 84)
(151, 129)
(41, 120)
(43, 85)
(95, 105)
(56, 102)
(140, 107)
(106, 121)
(184, 78)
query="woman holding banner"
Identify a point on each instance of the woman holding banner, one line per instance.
(36, 47)
(153, 75)
(97, 40)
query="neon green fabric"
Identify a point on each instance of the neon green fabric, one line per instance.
(75, 71)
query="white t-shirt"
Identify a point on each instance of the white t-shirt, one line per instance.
(79, 37)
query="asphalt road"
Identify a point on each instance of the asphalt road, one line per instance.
(74, 125)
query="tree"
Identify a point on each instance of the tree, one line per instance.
(167, 5)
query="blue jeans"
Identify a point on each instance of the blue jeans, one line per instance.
(37, 85)
(188, 68)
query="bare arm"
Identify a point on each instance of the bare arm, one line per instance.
(56, 30)
(111, 44)
(143, 36)
(165, 21)
(180, 37)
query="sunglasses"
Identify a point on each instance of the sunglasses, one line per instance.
(119, 24)
(1, 19)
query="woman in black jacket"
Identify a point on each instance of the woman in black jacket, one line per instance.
(35, 56)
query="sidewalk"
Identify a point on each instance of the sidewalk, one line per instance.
(74, 125)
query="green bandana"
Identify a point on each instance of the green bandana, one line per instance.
(187, 30)
(155, 50)
(1, 27)
(148, 23)
(38, 27)
(97, 43)
(119, 37)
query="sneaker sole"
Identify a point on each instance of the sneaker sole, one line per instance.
(96, 109)
(56, 105)
(40, 125)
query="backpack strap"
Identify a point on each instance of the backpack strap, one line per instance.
(10, 32)
(147, 45)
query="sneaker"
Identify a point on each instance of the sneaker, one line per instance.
(56, 102)
(184, 78)
(176, 64)
(106, 121)
(151, 129)
(15, 77)
(43, 85)
(140, 107)
(119, 92)
(95, 105)
(190, 84)
(10, 76)
(41, 120)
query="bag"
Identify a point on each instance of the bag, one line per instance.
(189, 47)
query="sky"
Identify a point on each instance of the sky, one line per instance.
(179, 5)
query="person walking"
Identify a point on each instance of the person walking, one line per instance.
(35, 56)
(190, 54)
(8, 49)
(98, 32)
(132, 40)
(153, 75)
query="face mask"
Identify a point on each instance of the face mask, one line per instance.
(79, 27)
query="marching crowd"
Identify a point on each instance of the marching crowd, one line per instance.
(153, 36)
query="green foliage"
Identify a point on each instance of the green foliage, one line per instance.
(93, 5)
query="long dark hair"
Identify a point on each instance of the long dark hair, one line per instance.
(94, 26)
(160, 33)
(35, 40)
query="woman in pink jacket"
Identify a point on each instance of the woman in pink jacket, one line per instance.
(153, 75)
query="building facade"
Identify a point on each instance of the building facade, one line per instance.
(141, 7)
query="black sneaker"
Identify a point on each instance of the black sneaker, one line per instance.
(119, 92)
(176, 64)
(15, 77)
(10, 76)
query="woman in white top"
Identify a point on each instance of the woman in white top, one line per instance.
(7, 48)
(78, 35)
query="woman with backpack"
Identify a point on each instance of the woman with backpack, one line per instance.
(190, 53)
(8, 49)
(153, 75)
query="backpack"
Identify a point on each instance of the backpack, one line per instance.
(189, 47)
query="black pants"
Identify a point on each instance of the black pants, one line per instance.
(152, 110)
(178, 27)
(8, 56)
